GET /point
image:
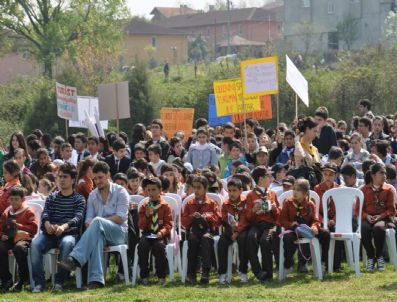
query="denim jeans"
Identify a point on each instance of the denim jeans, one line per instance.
(40, 246)
(90, 246)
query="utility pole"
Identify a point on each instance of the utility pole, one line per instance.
(228, 26)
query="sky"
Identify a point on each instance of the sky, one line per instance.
(144, 7)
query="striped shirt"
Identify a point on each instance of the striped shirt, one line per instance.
(61, 209)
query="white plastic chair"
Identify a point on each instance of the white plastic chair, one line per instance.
(36, 201)
(171, 246)
(136, 198)
(224, 184)
(344, 200)
(314, 243)
(245, 193)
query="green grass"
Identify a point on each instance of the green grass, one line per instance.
(379, 286)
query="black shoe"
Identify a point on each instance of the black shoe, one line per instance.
(205, 278)
(6, 285)
(95, 285)
(18, 286)
(261, 275)
(302, 268)
(267, 278)
(192, 280)
(69, 264)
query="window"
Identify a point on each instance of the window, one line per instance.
(154, 42)
(333, 40)
(331, 7)
(306, 3)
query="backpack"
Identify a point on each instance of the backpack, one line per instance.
(312, 174)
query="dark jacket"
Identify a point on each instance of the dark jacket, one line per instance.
(326, 140)
(123, 165)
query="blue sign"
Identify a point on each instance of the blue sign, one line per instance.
(214, 120)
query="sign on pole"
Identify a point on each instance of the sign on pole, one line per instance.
(264, 114)
(89, 104)
(177, 119)
(297, 81)
(259, 76)
(66, 102)
(229, 98)
(213, 119)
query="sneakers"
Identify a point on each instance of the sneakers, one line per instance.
(288, 271)
(370, 265)
(37, 289)
(57, 287)
(144, 281)
(222, 279)
(243, 278)
(380, 263)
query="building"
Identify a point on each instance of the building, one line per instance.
(161, 13)
(151, 42)
(312, 25)
(253, 24)
(17, 64)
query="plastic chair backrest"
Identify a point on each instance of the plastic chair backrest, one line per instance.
(312, 195)
(38, 210)
(345, 200)
(186, 200)
(174, 207)
(224, 184)
(136, 198)
(245, 193)
(37, 201)
(216, 197)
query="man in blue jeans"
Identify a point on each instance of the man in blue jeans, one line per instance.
(106, 222)
(61, 222)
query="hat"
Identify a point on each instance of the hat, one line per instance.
(278, 167)
(330, 167)
(151, 181)
(262, 149)
(288, 180)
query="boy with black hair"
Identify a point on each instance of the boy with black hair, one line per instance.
(93, 147)
(349, 176)
(80, 144)
(156, 128)
(234, 228)
(225, 158)
(66, 153)
(229, 130)
(364, 106)
(200, 218)
(262, 213)
(118, 161)
(154, 154)
(134, 181)
(155, 221)
(235, 155)
(285, 148)
(327, 137)
(18, 225)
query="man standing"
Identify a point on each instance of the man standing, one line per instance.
(364, 106)
(157, 128)
(61, 223)
(106, 222)
(327, 136)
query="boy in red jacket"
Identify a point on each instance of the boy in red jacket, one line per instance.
(18, 225)
(200, 218)
(155, 221)
(262, 215)
(234, 228)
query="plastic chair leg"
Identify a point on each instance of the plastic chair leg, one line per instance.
(30, 270)
(331, 253)
(169, 250)
(79, 277)
(12, 266)
(317, 258)
(124, 261)
(391, 245)
(53, 267)
(135, 266)
(229, 263)
(281, 269)
(349, 254)
(216, 241)
(184, 261)
(356, 251)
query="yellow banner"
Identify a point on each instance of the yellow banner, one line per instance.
(229, 98)
(259, 76)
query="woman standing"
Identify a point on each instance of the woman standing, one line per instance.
(377, 215)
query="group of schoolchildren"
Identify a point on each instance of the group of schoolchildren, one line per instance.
(248, 171)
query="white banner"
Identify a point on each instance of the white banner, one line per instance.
(89, 104)
(66, 102)
(297, 81)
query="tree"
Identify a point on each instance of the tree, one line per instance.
(197, 48)
(348, 30)
(52, 26)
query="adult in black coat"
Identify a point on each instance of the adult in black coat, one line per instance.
(327, 137)
(118, 161)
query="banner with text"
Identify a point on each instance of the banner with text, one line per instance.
(264, 114)
(229, 98)
(177, 119)
(66, 102)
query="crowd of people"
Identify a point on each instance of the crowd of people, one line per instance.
(86, 183)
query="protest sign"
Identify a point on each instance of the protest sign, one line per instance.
(259, 76)
(264, 114)
(66, 102)
(177, 119)
(89, 104)
(297, 81)
(229, 100)
(213, 119)
(114, 103)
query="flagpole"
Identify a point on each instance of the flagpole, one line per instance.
(278, 109)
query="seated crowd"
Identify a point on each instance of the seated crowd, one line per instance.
(85, 184)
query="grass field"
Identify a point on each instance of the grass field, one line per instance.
(336, 287)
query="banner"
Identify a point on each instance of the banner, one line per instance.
(66, 102)
(82, 124)
(229, 98)
(177, 119)
(89, 104)
(259, 76)
(114, 101)
(264, 114)
(213, 119)
(297, 81)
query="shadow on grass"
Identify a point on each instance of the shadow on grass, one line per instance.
(388, 287)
